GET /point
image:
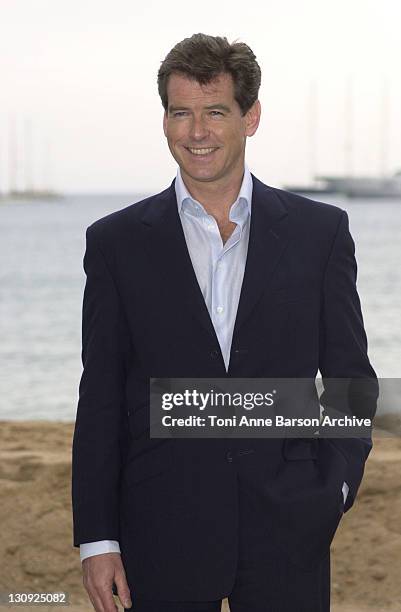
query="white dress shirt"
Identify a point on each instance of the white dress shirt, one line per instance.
(219, 269)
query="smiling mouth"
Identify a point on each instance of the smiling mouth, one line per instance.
(201, 151)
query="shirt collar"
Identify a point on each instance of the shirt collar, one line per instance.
(239, 210)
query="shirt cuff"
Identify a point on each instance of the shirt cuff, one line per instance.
(100, 547)
(345, 491)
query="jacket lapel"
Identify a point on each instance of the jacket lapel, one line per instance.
(267, 240)
(167, 248)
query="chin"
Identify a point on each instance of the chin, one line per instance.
(201, 174)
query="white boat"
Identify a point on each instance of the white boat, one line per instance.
(354, 186)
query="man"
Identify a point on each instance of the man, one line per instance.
(217, 276)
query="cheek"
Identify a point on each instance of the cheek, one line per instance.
(235, 140)
(174, 135)
(231, 133)
(173, 141)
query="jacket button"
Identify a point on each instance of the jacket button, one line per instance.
(240, 351)
(214, 354)
(229, 457)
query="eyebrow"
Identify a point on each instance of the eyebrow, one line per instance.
(223, 107)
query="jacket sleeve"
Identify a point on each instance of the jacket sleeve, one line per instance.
(343, 360)
(99, 427)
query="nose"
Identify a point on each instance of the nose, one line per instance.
(198, 129)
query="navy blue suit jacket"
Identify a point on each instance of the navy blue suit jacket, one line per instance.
(172, 503)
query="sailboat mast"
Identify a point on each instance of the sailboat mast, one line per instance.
(12, 156)
(349, 129)
(384, 129)
(28, 175)
(313, 120)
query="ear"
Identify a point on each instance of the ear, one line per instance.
(165, 123)
(252, 118)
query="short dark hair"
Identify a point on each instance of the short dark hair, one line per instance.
(202, 58)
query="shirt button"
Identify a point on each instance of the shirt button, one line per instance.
(229, 457)
(219, 309)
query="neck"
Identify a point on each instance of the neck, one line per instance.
(216, 196)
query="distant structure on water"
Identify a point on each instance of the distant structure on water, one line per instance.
(353, 186)
(21, 167)
(32, 194)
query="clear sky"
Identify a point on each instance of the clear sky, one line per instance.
(78, 82)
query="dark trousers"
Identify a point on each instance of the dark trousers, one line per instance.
(265, 581)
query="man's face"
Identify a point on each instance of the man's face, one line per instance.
(205, 130)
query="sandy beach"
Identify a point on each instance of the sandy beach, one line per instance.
(36, 523)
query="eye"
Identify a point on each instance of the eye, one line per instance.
(179, 113)
(214, 113)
